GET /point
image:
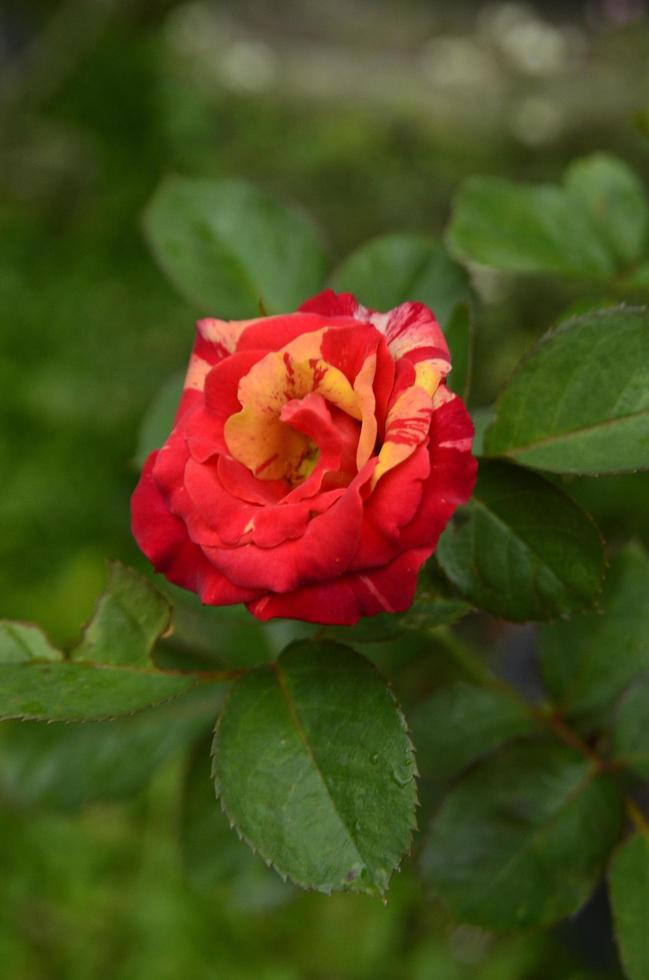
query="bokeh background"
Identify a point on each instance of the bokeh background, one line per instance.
(368, 113)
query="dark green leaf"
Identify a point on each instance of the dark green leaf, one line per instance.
(630, 734)
(579, 403)
(529, 228)
(159, 417)
(588, 662)
(397, 269)
(230, 247)
(521, 549)
(460, 723)
(615, 198)
(522, 839)
(131, 615)
(459, 334)
(314, 768)
(214, 856)
(629, 890)
(64, 766)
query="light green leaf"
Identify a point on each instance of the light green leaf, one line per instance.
(403, 268)
(64, 766)
(461, 723)
(616, 199)
(579, 403)
(630, 735)
(522, 839)
(229, 247)
(79, 691)
(314, 767)
(131, 615)
(459, 334)
(629, 891)
(521, 549)
(214, 856)
(22, 643)
(158, 419)
(527, 228)
(588, 662)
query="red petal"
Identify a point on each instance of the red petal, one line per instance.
(164, 540)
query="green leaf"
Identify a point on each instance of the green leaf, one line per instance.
(461, 723)
(64, 766)
(82, 692)
(629, 735)
(629, 891)
(459, 334)
(314, 768)
(21, 643)
(591, 227)
(110, 673)
(214, 857)
(588, 662)
(482, 419)
(616, 199)
(230, 248)
(526, 228)
(130, 617)
(579, 403)
(522, 839)
(158, 419)
(396, 269)
(521, 549)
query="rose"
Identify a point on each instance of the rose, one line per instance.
(314, 461)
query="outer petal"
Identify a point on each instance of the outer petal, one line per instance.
(344, 600)
(452, 476)
(164, 540)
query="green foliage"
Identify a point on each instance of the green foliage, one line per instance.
(85, 351)
(65, 766)
(588, 662)
(21, 643)
(130, 616)
(158, 418)
(329, 812)
(463, 722)
(630, 737)
(231, 249)
(522, 839)
(109, 672)
(459, 334)
(629, 889)
(579, 403)
(616, 200)
(591, 227)
(521, 549)
(215, 859)
(397, 269)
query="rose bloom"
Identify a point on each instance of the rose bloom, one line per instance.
(314, 461)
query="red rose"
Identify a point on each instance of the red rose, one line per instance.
(314, 461)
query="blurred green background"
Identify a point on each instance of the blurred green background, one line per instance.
(369, 115)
